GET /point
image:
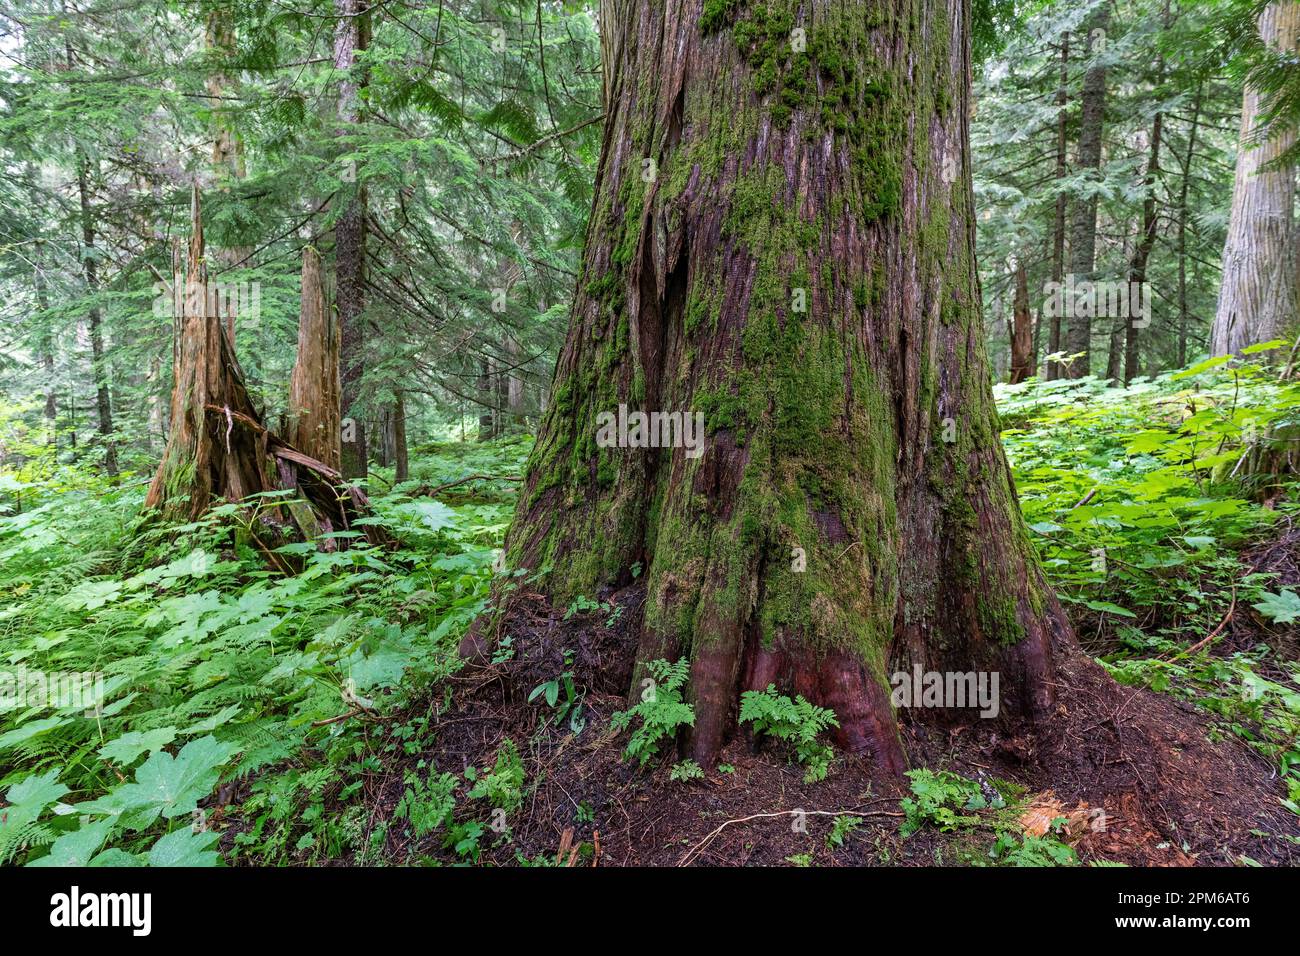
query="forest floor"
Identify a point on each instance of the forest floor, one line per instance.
(308, 707)
(1168, 794)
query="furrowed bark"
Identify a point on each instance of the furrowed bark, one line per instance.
(1257, 300)
(777, 244)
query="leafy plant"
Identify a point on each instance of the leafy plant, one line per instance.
(796, 721)
(549, 691)
(427, 803)
(217, 668)
(686, 770)
(502, 786)
(841, 827)
(661, 710)
(936, 798)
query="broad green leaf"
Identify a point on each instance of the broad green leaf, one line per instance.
(166, 785)
(1108, 608)
(1281, 608)
(77, 848)
(125, 749)
(184, 847)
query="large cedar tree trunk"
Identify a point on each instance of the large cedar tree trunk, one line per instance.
(1257, 299)
(741, 178)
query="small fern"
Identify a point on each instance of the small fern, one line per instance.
(795, 721)
(661, 710)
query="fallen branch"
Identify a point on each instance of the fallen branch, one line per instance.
(696, 850)
(550, 138)
(356, 712)
(1214, 633)
(425, 490)
(1088, 497)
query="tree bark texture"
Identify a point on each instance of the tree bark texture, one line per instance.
(773, 245)
(1257, 300)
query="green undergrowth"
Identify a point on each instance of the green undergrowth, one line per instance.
(1144, 508)
(247, 700)
(982, 821)
(221, 668)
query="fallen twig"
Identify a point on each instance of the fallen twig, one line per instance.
(1214, 633)
(696, 850)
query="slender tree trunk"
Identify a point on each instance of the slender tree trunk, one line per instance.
(401, 461)
(1257, 298)
(227, 149)
(515, 385)
(1184, 318)
(1054, 343)
(1083, 222)
(351, 38)
(99, 365)
(381, 439)
(1137, 273)
(46, 349)
(773, 246)
(1022, 332)
(156, 424)
(314, 392)
(487, 417)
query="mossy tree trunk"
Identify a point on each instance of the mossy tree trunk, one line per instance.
(782, 240)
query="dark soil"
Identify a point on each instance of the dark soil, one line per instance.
(1174, 792)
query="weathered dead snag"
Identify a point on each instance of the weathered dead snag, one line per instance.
(218, 449)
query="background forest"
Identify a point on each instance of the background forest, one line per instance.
(428, 168)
